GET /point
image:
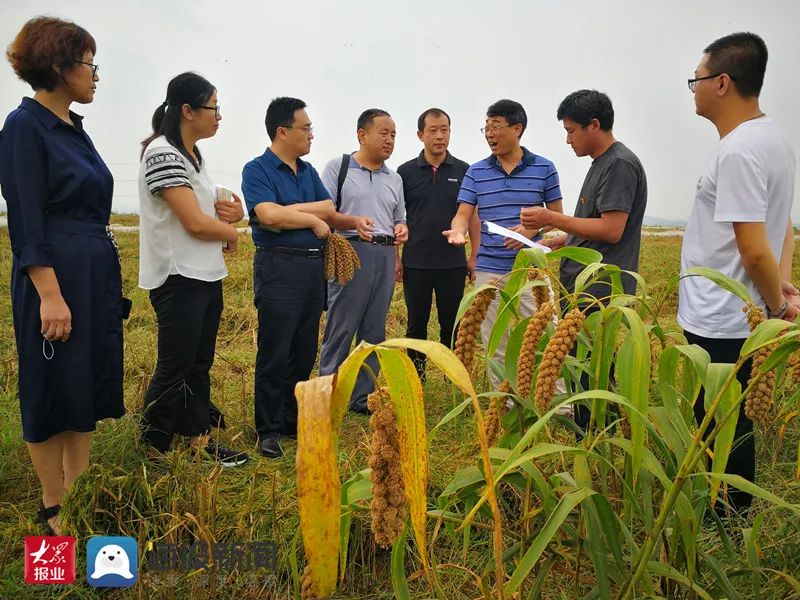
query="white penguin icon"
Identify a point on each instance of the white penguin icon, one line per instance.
(112, 560)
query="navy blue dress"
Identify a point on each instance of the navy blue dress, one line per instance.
(58, 194)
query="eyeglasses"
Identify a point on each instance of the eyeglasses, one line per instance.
(307, 129)
(493, 128)
(692, 83)
(95, 67)
(216, 109)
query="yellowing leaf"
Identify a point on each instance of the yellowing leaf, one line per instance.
(405, 390)
(318, 484)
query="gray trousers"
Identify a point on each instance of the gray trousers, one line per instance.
(359, 310)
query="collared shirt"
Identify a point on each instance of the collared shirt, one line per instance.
(375, 194)
(431, 195)
(500, 197)
(48, 167)
(268, 179)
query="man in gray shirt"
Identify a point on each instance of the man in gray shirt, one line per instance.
(375, 193)
(610, 209)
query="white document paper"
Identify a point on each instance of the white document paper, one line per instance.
(500, 230)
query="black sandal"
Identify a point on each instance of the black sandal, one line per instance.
(46, 514)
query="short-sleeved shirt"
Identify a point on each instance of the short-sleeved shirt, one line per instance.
(615, 182)
(375, 194)
(165, 247)
(500, 197)
(431, 195)
(268, 179)
(749, 178)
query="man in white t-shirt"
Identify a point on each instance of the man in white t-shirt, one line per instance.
(740, 223)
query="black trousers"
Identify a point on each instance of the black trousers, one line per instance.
(742, 460)
(178, 399)
(288, 294)
(419, 285)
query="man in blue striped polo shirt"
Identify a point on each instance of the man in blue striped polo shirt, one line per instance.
(500, 186)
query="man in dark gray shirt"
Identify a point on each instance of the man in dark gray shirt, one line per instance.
(610, 209)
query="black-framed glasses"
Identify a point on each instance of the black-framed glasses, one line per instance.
(216, 109)
(692, 83)
(95, 67)
(307, 129)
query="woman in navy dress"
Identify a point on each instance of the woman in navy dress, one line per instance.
(66, 288)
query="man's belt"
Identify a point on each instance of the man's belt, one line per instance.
(307, 252)
(381, 240)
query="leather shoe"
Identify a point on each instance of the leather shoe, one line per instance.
(271, 448)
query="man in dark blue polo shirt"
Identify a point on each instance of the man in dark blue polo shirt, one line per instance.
(289, 210)
(430, 265)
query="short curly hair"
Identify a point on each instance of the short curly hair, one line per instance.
(45, 44)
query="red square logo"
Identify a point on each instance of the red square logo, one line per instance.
(49, 559)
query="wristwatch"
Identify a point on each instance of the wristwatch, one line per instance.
(540, 231)
(780, 312)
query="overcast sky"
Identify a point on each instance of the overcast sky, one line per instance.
(342, 57)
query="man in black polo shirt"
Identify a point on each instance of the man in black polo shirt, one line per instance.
(429, 264)
(286, 194)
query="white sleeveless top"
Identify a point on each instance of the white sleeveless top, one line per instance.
(165, 247)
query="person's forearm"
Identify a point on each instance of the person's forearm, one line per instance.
(343, 222)
(322, 209)
(787, 253)
(474, 235)
(763, 270)
(460, 224)
(282, 217)
(209, 229)
(45, 281)
(593, 228)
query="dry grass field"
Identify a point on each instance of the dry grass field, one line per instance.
(176, 499)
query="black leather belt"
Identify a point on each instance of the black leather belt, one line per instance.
(381, 240)
(307, 252)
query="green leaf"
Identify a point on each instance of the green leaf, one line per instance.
(750, 537)
(770, 331)
(633, 379)
(449, 417)
(513, 346)
(344, 541)
(647, 458)
(596, 545)
(588, 275)
(343, 384)
(506, 310)
(525, 441)
(399, 581)
(751, 488)
(720, 575)
(530, 256)
(464, 478)
(554, 521)
(663, 570)
(726, 283)
(584, 256)
(469, 298)
(715, 379)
